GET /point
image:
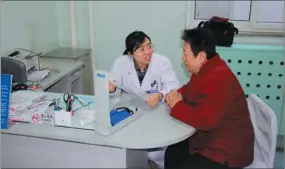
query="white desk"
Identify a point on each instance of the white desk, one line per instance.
(69, 147)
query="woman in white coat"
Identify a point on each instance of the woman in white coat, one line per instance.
(143, 73)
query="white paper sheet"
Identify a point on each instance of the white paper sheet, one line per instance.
(24, 103)
(24, 98)
(38, 75)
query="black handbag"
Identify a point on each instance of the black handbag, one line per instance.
(222, 29)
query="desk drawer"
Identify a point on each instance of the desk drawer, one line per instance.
(62, 86)
(76, 74)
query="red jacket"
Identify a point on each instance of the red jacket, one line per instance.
(214, 103)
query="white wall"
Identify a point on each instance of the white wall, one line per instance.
(161, 20)
(44, 25)
(62, 14)
(28, 24)
(82, 23)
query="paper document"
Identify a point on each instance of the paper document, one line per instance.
(25, 112)
(23, 103)
(22, 97)
(38, 75)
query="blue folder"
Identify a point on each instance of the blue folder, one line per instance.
(119, 115)
(6, 87)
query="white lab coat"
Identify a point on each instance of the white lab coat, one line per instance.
(160, 70)
(159, 77)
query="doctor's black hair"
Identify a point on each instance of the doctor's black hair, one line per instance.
(200, 39)
(134, 40)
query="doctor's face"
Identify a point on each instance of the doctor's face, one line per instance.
(144, 52)
(193, 63)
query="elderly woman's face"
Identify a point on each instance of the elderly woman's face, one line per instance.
(192, 63)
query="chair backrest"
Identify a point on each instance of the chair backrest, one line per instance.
(265, 129)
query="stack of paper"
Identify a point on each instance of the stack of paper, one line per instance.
(23, 103)
(38, 75)
(22, 98)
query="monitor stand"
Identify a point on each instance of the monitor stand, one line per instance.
(102, 106)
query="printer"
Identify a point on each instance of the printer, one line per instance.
(20, 66)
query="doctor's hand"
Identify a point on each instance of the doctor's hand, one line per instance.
(172, 98)
(154, 99)
(112, 87)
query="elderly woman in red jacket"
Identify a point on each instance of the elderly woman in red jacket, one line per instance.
(214, 103)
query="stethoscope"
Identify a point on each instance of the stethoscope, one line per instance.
(153, 83)
(154, 87)
(119, 109)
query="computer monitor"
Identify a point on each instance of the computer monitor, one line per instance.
(104, 105)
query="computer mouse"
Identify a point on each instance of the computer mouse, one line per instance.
(20, 86)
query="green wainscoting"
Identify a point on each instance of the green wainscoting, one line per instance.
(260, 70)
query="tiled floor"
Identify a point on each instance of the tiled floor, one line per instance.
(279, 160)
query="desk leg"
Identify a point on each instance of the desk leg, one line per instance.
(137, 159)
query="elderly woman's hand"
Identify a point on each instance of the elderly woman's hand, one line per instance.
(172, 98)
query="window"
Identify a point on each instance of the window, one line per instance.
(247, 16)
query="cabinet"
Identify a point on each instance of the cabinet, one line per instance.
(87, 75)
(77, 55)
(77, 83)
(61, 86)
(71, 83)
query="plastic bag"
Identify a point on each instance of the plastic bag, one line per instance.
(87, 116)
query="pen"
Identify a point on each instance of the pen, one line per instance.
(81, 101)
(55, 105)
(51, 104)
(89, 102)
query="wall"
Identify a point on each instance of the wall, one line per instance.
(44, 25)
(28, 24)
(114, 20)
(62, 14)
(82, 23)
